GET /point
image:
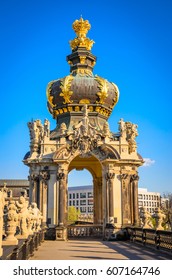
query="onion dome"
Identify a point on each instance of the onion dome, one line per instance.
(68, 94)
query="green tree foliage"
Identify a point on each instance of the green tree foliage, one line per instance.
(73, 214)
(168, 211)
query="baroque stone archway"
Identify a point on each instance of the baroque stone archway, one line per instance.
(81, 104)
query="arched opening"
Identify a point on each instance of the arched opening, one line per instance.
(80, 196)
(85, 188)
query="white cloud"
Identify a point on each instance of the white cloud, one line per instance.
(148, 162)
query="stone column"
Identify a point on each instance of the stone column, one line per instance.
(99, 200)
(135, 208)
(44, 177)
(95, 195)
(110, 196)
(126, 196)
(33, 178)
(61, 177)
(53, 198)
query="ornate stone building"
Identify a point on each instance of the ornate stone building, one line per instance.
(81, 103)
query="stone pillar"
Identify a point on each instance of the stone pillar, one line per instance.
(44, 177)
(95, 194)
(126, 196)
(117, 200)
(99, 200)
(61, 177)
(33, 178)
(53, 198)
(61, 230)
(110, 197)
(134, 200)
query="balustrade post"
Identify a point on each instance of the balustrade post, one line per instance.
(2, 203)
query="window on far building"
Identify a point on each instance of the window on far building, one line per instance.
(82, 195)
(70, 196)
(77, 195)
(73, 195)
(83, 202)
(90, 201)
(90, 194)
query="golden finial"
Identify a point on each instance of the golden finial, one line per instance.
(81, 28)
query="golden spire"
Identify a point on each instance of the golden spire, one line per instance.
(81, 28)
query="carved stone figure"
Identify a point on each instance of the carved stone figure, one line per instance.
(37, 217)
(63, 128)
(160, 217)
(122, 128)
(131, 133)
(23, 213)
(145, 217)
(12, 219)
(46, 128)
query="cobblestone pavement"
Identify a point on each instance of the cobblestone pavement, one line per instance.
(95, 250)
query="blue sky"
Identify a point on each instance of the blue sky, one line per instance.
(134, 50)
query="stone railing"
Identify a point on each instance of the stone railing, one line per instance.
(158, 239)
(80, 231)
(20, 227)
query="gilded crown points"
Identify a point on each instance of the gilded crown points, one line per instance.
(81, 27)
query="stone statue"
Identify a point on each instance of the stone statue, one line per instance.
(122, 128)
(37, 216)
(23, 213)
(63, 128)
(145, 217)
(46, 128)
(160, 218)
(131, 134)
(106, 130)
(11, 226)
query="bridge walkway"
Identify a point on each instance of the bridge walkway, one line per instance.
(86, 249)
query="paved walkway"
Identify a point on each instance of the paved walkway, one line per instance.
(95, 249)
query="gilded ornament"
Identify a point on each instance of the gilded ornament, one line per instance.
(48, 93)
(77, 109)
(84, 101)
(65, 87)
(90, 108)
(103, 86)
(82, 59)
(115, 100)
(81, 28)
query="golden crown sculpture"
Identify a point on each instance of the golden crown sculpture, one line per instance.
(81, 28)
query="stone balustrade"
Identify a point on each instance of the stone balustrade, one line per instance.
(18, 221)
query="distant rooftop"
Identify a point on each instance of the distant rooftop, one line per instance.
(14, 182)
(88, 187)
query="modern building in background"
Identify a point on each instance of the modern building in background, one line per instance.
(81, 198)
(149, 200)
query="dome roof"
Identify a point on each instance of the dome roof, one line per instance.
(80, 87)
